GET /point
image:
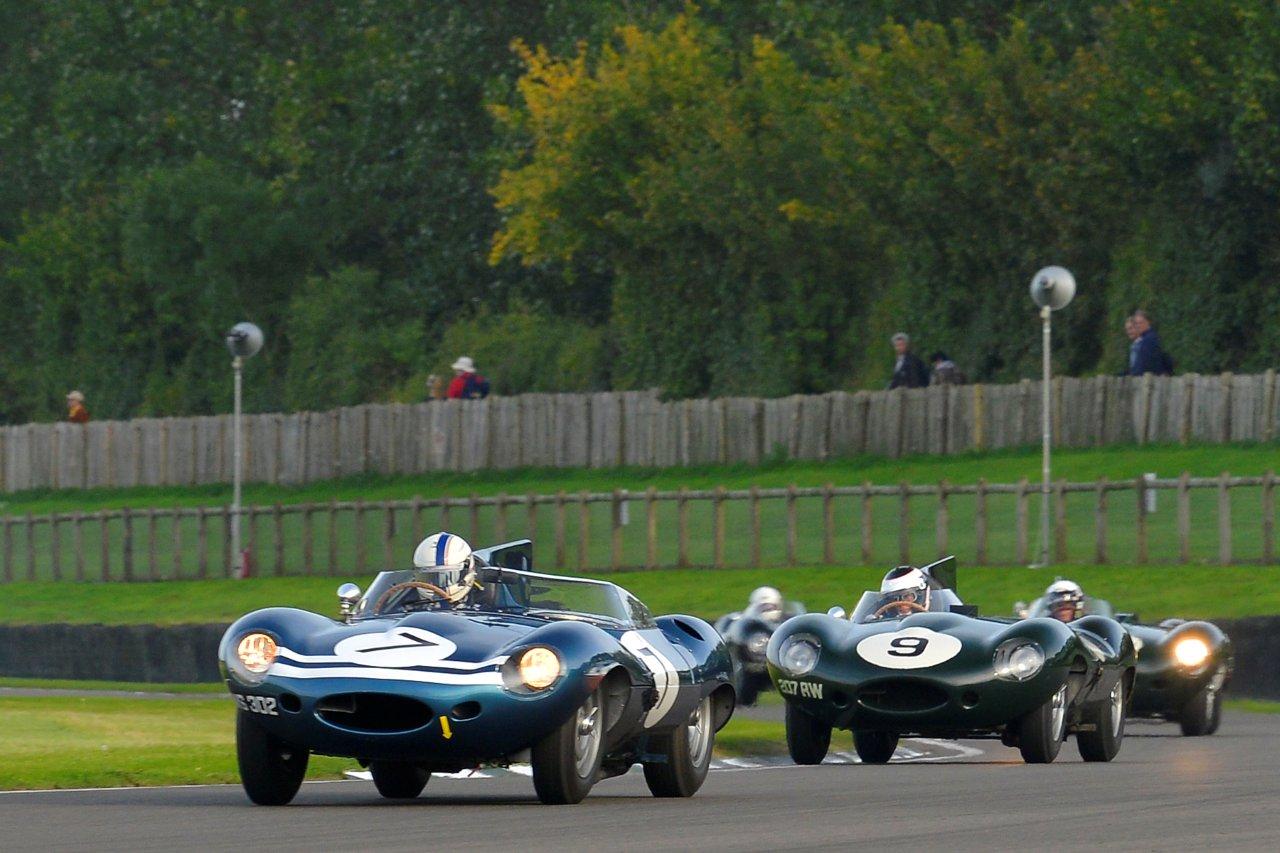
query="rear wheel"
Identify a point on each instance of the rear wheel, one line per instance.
(1040, 733)
(688, 753)
(566, 763)
(398, 780)
(1103, 743)
(875, 747)
(1202, 715)
(271, 771)
(808, 738)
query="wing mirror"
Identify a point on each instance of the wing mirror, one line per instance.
(348, 597)
(837, 612)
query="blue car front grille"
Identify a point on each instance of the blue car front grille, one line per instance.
(376, 713)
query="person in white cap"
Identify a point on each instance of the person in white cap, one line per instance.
(467, 384)
(76, 411)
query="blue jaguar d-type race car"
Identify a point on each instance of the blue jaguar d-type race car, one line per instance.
(472, 658)
(912, 659)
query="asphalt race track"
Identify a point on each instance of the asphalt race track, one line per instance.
(1163, 792)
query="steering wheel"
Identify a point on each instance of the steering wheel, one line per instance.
(393, 591)
(915, 607)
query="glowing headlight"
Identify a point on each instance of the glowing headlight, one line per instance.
(539, 668)
(799, 654)
(757, 643)
(1018, 660)
(1191, 652)
(253, 657)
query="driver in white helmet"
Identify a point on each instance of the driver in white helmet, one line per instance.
(446, 561)
(766, 603)
(904, 590)
(1064, 600)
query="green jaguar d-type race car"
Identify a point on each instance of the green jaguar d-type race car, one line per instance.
(1183, 666)
(912, 659)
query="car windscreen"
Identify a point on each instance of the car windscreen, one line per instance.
(1092, 607)
(508, 591)
(875, 606)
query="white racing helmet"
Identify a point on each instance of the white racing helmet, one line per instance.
(1064, 600)
(446, 560)
(766, 602)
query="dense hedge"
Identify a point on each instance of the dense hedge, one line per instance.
(741, 197)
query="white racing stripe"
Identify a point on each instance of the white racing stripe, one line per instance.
(284, 670)
(462, 665)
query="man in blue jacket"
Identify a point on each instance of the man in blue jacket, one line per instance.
(1145, 353)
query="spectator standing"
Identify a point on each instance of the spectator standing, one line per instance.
(467, 384)
(945, 371)
(908, 371)
(1146, 355)
(76, 411)
(435, 387)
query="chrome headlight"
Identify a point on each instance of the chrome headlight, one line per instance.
(1192, 653)
(539, 667)
(1018, 659)
(253, 656)
(799, 654)
(757, 643)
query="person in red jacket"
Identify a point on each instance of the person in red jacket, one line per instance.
(466, 383)
(76, 411)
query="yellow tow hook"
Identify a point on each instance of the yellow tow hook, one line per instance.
(445, 728)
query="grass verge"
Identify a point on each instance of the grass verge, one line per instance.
(1154, 592)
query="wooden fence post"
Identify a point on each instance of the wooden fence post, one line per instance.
(651, 529)
(474, 512)
(360, 532)
(1100, 522)
(904, 525)
(980, 523)
(531, 517)
(615, 533)
(584, 531)
(29, 534)
(1020, 520)
(389, 535)
(77, 543)
(415, 519)
(152, 567)
(791, 525)
(1224, 520)
(1140, 519)
(277, 519)
(682, 528)
(828, 524)
(560, 545)
(757, 559)
(1268, 516)
(175, 541)
(308, 539)
(333, 536)
(718, 535)
(1060, 522)
(942, 521)
(1184, 518)
(126, 549)
(202, 542)
(251, 526)
(500, 518)
(868, 524)
(55, 547)
(104, 536)
(8, 549)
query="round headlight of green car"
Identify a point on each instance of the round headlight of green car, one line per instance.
(799, 654)
(757, 643)
(1018, 660)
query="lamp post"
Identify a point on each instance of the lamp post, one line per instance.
(1052, 288)
(243, 340)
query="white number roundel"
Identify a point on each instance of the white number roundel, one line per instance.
(910, 648)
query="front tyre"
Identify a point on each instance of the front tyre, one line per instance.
(875, 747)
(1103, 743)
(808, 738)
(1040, 733)
(271, 771)
(398, 780)
(688, 753)
(1202, 715)
(566, 763)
